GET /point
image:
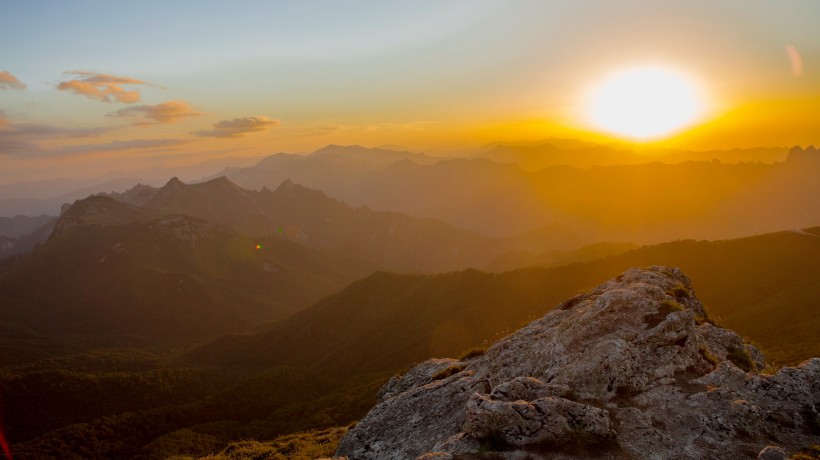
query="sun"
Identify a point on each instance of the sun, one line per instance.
(644, 103)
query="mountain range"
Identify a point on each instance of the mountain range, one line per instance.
(744, 282)
(642, 202)
(389, 240)
(162, 321)
(323, 365)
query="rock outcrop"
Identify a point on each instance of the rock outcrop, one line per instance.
(631, 369)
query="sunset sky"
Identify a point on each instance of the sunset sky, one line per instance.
(89, 87)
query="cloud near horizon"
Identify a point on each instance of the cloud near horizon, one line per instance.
(167, 112)
(9, 81)
(132, 144)
(319, 130)
(238, 127)
(24, 139)
(102, 87)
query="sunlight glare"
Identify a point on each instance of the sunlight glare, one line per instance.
(644, 103)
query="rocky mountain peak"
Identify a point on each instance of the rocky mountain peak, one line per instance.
(631, 369)
(173, 182)
(98, 210)
(287, 184)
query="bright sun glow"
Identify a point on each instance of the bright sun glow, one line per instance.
(644, 103)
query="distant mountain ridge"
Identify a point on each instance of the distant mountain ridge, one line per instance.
(648, 199)
(537, 155)
(389, 240)
(18, 226)
(323, 365)
(765, 287)
(21, 234)
(122, 276)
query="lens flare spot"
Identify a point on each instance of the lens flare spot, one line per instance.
(795, 59)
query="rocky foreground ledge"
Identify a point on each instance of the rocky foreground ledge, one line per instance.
(631, 369)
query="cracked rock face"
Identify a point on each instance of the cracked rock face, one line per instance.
(631, 369)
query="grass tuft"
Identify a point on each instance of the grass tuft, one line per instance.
(679, 291)
(741, 358)
(448, 371)
(472, 353)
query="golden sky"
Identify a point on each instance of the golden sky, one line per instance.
(89, 89)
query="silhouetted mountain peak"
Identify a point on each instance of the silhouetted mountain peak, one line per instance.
(99, 210)
(286, 184)
(174, 182)
(218, 186)
(797, 153)
(337, 149)
(220, 180)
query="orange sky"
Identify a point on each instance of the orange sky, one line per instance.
(86, 90)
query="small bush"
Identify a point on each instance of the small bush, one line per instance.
(669, 306)
(666, 307)
(448, 371)
(679, 291)
(741, 358)
(472, 353)
(706, 317)
(568, 304)
(303, 445)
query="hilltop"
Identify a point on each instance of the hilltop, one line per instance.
(765, 287)
(630, 369)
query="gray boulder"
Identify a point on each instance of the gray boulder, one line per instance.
(631, 369)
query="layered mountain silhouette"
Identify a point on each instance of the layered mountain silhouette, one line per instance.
(323, 366)
(764, 287)
(536, 155)
(21, 234)
(114, 274)
(389, 240)
(17, 226)
(641, 200)
(171, 320)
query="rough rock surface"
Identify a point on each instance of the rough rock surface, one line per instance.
(631, 369)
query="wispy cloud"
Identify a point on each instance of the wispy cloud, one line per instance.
(45, 131)
(32, 147)
(167, 112)
(25, 139)
(9, 81)
(238, 127)
(113, 146)
(319, 130)
(102, 87)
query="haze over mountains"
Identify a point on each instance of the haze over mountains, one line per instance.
(765, 287)
(644, 202)
(279, 297)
